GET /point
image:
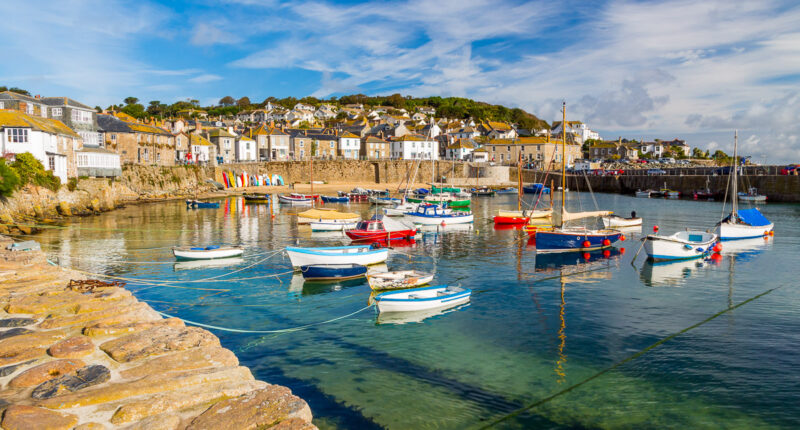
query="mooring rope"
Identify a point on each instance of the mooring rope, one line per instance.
(625, 360)
(284, 330)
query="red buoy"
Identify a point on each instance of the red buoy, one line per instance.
(655, 228)
(586, 256)
(606, 253)
(606, 242)
(622, 237)
(716, 258)
(622, 251)
(717, 247)
(443, 224)
(587, 244)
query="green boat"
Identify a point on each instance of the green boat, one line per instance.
(435, 199)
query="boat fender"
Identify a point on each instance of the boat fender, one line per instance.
(606, 242)
(717, 247)
(587, 244)
(687, 246)
(700, 250)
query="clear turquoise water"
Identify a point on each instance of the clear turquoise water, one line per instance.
(533, 329)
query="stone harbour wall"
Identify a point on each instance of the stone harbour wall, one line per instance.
(94, 357)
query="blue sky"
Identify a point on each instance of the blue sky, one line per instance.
(678, 68)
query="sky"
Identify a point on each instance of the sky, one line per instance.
(692, 69)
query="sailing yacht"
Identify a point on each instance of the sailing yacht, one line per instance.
(744, 223)
(565, 239)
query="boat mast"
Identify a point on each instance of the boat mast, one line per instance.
(734, 175)
(312, 180)
(563, 159)
(519, 182)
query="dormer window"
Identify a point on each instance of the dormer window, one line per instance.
(57, 112)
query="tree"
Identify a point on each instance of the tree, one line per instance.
(31, 171)
(98, 109)
(135, 110)
(9, 179)
(243, 102)
(341, 115)
(194, 102)
(130, 100)
(227, 101)
(19, 91)
(698, 153)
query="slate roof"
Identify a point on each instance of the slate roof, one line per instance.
(109, 123)
(64, 101)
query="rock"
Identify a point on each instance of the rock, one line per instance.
(17, 356)
(159, 422)
(85, 377)
(157, 340)
(103, 329)
(90, 426)
(28, 341)
(64, 209)
(194, 358)
(66, 302)
(14, 332)
(84, 319)
(5, 371)
(74, 347)
(16, 322)
(38, 212)
(152, 384)
(45, 372)
(19, 417)
(293, 424)
(254, 410)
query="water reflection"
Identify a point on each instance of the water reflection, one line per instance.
(669, 274)
(399, 318)
(207, 264)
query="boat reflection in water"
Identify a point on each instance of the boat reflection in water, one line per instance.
(207, 264)
(299, 286)
(575, 260)
(746, 249)
(413, 316)
(670, 273)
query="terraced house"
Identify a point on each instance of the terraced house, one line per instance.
(375, 148)
(273, 143)
(80, 118)
(33, 106)
(225, 143)
(137, 143)
(349, 146)
(540, 151)
(413, 147)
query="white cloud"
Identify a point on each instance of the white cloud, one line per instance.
(208, 34)
(205, 78)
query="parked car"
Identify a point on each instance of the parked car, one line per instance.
(667, 160)
(615, 172)
(656, 172)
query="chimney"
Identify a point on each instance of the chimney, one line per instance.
(38, 97)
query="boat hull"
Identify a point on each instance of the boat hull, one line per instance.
(667, 248)
(436, 220)
(398, 280)
(398, 301)
(730, 231)
(752, 198)
(566, 241)
(361, 235)
(363, 255)
(332, 199)
(511, 220)
(294, 200)
(332, 225)
(616, 221)
(186, 254)
(333, 272)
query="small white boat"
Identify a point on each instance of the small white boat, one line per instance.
(389, 201)
(746, 224)
(294, 199)
(364, 255)
(433, 215)
(206, 253)
(325, 214)
(682, 245)
(752, 196)
(618, 221)
(643, 194)
(418, 299)
(332, 225)
(398, 280)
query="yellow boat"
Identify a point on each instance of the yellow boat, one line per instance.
(325, 214)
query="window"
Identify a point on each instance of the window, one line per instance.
(2, 105)
(158, 156)
(247, 146)
(57, 112)
(29, 109)
(302, 144)
(51, 161)
(113, 137)
(17, 135)
(332, 144)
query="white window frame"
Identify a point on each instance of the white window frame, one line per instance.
(17, 135)
(57, 112)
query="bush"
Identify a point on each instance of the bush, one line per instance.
(31, 171)
(9, 179)
(72, 184)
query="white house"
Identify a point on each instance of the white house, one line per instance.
(300, 116)
(461, 149)
(655, 149)
(304, 106)
(200, 149)
(246, 149)
(579, 130)
(465, 133)
(49, 141)
(414, 146)
(349, 146)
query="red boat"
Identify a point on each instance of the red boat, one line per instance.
(511, 220)
(375, 230)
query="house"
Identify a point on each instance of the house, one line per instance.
(355, 106)
(375, 148)
(464, 133)
(181, 146)
(497, 130)
(580, 131)
(33, 106)
(677, 146)
(225, 143)
(325, 112)
(427, 110)
(246, 150)
(49, 141)
(652, 149)
(201, 151)
(192, 112)
(245, 116)
(79, 117)
(540, 151)
(461, 149)
(137, 143)
(324, 146)
(431, 130)
(419, 117)
(304, 106)
(414, 146)
(349, 146)
(480, 155)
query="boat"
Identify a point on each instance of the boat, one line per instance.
(751, 196)
(742, 224)
(256, 198)
(506, 190)
(400, 209)
(376, 200)
(418, 299)
(332, 225)
(618, 221)
(520, 217)
(398, 280)
(448, 199)
(359, 254)
(333, 272)
(704, 194)
(563, 238)
(683, 245)
(295, 199)
(381, 228)
(335, 199)
(433, 215)
(484, 192)
(535, 189)
(206, 253)
(666, 192)
(643, 194)
(197, 204)
(356, 195)
(319, 214)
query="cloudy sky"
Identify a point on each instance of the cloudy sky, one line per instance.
(690, 69)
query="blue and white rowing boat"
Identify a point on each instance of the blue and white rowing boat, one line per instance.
(197, 204)
(418, 299)
(376, 200)
(206, 253)
(683, 245)
(357, 254)
(333, 272)
(434, 215)
(334, 199)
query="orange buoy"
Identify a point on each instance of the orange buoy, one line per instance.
(655, 228)
(587, 244)
(606, 242)
(443, 224)
(717, 247)
(622, 237)
(772, 232)
(766, 237)
(622, 251)
(606, 253)
(586, 256)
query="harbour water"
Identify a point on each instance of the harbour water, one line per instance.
(556, 341)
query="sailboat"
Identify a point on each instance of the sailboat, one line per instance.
(565, 239)
(746, 223)
(519, 216)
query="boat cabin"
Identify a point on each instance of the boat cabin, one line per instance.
(370, 225)
(429, 210)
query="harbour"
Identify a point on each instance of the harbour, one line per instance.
(557, 340)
